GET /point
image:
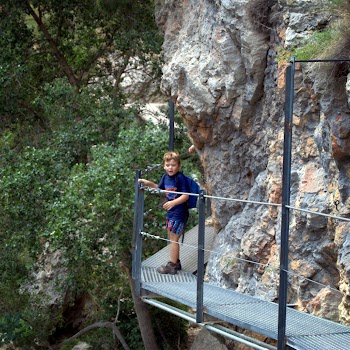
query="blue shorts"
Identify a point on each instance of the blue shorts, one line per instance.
(175, 226)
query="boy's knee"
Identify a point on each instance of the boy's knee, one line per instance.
(174, 236)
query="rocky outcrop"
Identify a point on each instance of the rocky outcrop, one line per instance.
(222, 71)
(207, 340)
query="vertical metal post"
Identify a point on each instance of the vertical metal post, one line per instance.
(200, 264)
(287, 156)
(171, 125)
(135, 222)
(137, 237)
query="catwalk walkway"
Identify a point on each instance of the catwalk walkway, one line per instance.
(296, 329)
(303, 331)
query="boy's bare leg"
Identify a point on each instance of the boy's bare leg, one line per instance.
(174, 247)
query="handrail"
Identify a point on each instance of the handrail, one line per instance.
(200, 256)
(137, 241)
(228, 333)
(137, 237)
(286, 179)
(286, 207)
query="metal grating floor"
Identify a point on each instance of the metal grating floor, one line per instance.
(303, 331)
(188, 250)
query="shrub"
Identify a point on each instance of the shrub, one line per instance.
(259, 14)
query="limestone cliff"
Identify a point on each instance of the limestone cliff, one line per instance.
(221, 69)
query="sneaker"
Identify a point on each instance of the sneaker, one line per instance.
(169, 268)
(178, 266)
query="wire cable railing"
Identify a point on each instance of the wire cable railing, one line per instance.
(265, 268)
(237, 258)
(318, 213)
(157, 190)
(285, 206)
(146, 234)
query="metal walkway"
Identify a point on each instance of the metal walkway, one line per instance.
(303, 331)
(188, 250)
(300, 331)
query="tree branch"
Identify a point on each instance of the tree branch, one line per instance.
(142, 313)
(57, 53)
(99, 54)
(118, 310)
(119, 72)
(100, 324)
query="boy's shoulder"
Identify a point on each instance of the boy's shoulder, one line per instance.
(180, 176)
(180, 173)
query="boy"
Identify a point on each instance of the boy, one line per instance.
(176, 207)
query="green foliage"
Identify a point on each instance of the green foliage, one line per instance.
(25, 192)
(330, 42)
(95, 210)
(88, 43)
(29, 326)
(82, 34)
(84, 210)
(12, 328)
(337, 3)
(316, 44)
(69, 149)
(170, 329)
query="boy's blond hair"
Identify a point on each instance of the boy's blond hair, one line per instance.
(171, 155)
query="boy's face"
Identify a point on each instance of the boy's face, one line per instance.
(171, 167)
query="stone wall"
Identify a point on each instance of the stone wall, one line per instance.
(222, 71)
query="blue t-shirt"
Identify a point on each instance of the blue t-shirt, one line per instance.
(175, 183)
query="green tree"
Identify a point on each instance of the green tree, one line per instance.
(55, 199)
(83, 211)
(90, 43)
(81, 40)
(68, 151)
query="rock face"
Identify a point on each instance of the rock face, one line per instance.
(222, 71)
(208, 340)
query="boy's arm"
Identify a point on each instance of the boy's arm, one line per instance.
(148, 183)
(182, 199)
(170, 204)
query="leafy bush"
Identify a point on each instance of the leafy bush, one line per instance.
(315, 45)
(84, 210)
(259, 14)
(12, 328)
(332, 42)
(69, 149)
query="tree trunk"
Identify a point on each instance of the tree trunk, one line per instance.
(58, 54)
(111, 325)
(143, 317)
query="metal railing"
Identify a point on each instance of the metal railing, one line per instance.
(285, 223)
(137, 242)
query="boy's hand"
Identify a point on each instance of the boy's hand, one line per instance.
(192, 149)
(168, 205)
(142, 183)
(147, 183)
